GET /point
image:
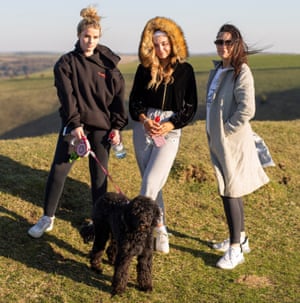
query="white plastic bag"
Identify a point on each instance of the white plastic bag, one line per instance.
(263, 151)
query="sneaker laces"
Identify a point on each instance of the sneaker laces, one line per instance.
(234, 251)
(160, 231)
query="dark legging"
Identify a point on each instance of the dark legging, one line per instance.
(61, 167)
(234, 211)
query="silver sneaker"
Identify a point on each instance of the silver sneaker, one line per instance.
(232, 258)
(161, 241)
(224, 246)
(44, 224)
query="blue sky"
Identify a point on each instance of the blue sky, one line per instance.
(40, 25)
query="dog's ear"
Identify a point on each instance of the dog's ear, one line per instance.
(150, 208)
(155, 209)
(138, 214)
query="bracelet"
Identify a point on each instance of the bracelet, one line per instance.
(147, 119)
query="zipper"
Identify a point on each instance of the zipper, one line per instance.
(164, 96)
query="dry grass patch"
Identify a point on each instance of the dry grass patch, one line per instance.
(254, 281)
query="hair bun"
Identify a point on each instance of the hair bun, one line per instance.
(90, 13)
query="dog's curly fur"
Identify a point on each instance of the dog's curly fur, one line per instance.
(130, 225)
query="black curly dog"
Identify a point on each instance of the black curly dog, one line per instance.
(129, 226)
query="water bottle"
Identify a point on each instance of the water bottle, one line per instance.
(118, 149)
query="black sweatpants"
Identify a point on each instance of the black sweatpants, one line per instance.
(61, 167)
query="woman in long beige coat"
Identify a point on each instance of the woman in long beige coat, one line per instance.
(230, 107)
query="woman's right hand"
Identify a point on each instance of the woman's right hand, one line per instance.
(78, 133)
(152, 127)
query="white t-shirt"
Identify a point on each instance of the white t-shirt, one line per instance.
(210, 95)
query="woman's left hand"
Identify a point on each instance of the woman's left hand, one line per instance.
(166, 127)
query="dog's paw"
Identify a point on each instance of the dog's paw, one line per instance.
(117, 292)
(96, 266)
(96, 261)
(97, 270)
(147, 288)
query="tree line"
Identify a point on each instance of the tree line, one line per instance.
(25, 64)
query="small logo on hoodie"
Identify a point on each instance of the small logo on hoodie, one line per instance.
(102, 75)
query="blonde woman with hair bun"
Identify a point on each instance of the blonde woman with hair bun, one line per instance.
(90, 89)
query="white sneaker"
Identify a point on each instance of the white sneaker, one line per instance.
(224, 246)
(245, 246)
(161, 243)
(232, 258)
(44, 224)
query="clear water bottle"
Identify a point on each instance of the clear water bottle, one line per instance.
(118, 149)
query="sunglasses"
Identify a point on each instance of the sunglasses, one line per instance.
(220, 42)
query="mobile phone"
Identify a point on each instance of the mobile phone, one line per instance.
(159, 140)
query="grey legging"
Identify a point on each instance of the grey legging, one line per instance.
(234, 211)
(154, 162)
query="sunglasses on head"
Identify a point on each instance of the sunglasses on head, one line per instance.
(222, 42)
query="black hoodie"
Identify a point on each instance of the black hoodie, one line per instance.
(91, 89)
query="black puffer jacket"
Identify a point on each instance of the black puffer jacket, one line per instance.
(91, 89)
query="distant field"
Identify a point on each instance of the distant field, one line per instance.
(29, 104)
(203, 63)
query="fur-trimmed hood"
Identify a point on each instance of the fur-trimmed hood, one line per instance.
(174, 32)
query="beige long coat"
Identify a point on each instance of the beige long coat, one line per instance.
(231, 142)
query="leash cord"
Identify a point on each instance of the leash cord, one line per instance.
(84, 149)
(105, 171)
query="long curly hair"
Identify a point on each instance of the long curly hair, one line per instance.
(90, 18)
(147, 56)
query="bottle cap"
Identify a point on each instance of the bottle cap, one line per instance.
(111, 135)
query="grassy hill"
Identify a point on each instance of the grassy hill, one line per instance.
(29, 104)
(55, 268)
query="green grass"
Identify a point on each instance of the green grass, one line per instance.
(55, 267)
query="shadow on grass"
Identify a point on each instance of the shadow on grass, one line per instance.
(209, 259)
(28, 184)
(39, 254)
(45, 125)
(276, 106)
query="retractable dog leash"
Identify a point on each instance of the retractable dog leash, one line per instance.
(82, 148)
